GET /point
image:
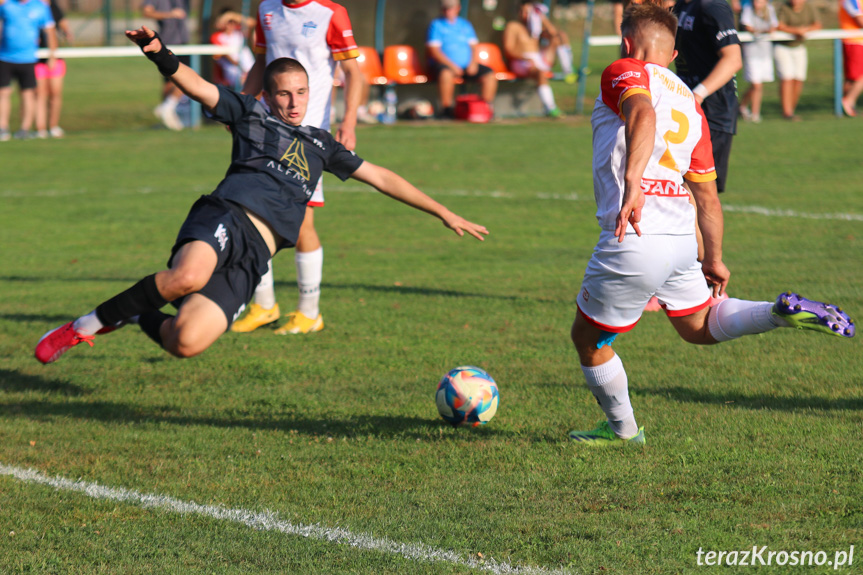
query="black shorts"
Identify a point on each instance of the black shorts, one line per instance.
(435, 67)
(24, 73)
(187, 60)
(243, 254)
(721, 154)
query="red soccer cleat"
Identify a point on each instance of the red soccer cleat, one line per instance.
(58, 341)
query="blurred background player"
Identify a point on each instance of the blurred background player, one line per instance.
(526, 59)
(232, 31)
(317, 33)
(708, 58)
(257, 209)
(851, 18)
(171, 17)
(49, 81)
(452, 55)
(20, 23)
(647, 243)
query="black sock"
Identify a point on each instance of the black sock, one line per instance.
(142, 297)
(151, 324)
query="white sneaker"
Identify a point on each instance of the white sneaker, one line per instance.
(57, 132)
(170, 118)
(42, 134)
(5, 136)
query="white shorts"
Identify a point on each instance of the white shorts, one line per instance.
(521, 67)
(621, 278)
(317, 200)
(758, 62)
(791, 62)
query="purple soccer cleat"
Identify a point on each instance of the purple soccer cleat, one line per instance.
(805, 313)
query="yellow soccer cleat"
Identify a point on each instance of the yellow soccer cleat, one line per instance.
(255, 318)
(298, 322)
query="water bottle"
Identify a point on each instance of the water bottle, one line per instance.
(390, 105)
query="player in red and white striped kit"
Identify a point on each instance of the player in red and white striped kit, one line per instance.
(318, 34)
(649, 135)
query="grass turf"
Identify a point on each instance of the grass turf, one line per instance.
(755, 442)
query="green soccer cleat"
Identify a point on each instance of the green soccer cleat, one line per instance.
(804, 313)
(603, 436)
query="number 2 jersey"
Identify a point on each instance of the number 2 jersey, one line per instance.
(681, 148)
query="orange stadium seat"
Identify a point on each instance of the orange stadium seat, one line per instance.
(401, 65)
(490, 55)
(370, 65)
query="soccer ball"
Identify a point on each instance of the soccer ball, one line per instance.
(467, 395)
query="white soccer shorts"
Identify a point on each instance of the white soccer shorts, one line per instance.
(621, 278)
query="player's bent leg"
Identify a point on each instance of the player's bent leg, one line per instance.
(191, 269)
(199, 323)
(694, 328)
(585, 336)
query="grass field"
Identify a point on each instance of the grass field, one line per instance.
(753, 443)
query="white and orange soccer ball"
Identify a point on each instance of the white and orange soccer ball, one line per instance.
(467, 395)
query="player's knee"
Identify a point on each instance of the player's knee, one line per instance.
(185, 281)
(184, 347)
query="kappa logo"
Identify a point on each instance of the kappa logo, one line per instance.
(268, 21)
(624, 76)
(309, 29)
(295, 158)
(222, 235)
(585, 294)
(687, 22)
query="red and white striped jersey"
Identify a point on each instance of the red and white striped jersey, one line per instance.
(317, 33)
(681, 147)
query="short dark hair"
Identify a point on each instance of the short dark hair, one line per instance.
(281, 66)
(638, 15)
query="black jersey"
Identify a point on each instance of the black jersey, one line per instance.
(703, 28)
(274, 166)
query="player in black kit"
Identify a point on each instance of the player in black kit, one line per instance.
(708, 58)
(223, 247)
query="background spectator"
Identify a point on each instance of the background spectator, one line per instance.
(451, 44)
(49, 81)
(526, 60)
(174, 30)
(758, 18)
(851, 18)
(232, 31)
(796, 17)
(554, 42)
(21, 21)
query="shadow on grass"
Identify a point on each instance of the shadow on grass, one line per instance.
(379, 426)
(737, 400)
(14, 382)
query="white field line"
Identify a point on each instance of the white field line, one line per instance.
(571, 197)
(270, 521)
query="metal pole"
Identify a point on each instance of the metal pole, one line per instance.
(380, 11)
(585, 54)
(838, 75)
(194, 105)
(107, 7)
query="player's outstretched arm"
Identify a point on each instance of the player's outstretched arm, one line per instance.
(711, 224)
(396, 187)
(184, 77)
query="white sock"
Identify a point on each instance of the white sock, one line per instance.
(88, 324)
(608, 383)
(547, 97)
(310, 270)
(265, 293)
(564, 55)
(732, 318)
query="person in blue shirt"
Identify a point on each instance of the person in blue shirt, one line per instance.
(21, 21)
(451, 44)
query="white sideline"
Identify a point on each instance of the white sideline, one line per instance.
(571, 197)
(270, 521)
